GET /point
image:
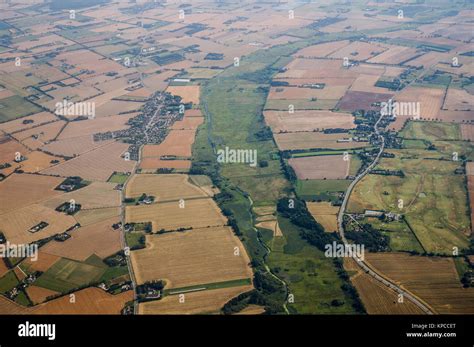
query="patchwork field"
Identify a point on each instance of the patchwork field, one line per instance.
(191, 258)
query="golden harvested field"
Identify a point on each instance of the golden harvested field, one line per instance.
(96, 125)
(192, 257)
(87, 60)
(455, 116)
(163, 187)
(43, 263)
(95, 195)
(316, 68)
(434, 279)
(293, 93)
(187, 93)
(459, 100)
(270, 223)
(430, 99)
(201, 302)
(42, 133)
(17, 124)
(310, 140)
(366, 83)
(10, 307)
(37, 161)
(429, 59)
(20, 190)
(325, 214)
(376, 297)
(282, 121)
(252, 310)
(112, 108)
(150, 165)
(197, 213)
(320, 167)
(97, 165)
(359, 51)
(99, 239)
(8, 148)
(177, 142)
(394, 55)
(467, 132)
(87, 217)
(88, 301)
(188, 123)
(73, 146)
(15, 224)
(322, 50)
(39, 294)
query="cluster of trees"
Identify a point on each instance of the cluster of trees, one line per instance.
(310, 230)
(266, 293)
(372, 239)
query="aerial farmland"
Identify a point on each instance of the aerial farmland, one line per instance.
(213, 157)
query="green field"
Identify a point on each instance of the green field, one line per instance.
(8, 282)
(311, 277)
(401, 236)
(15, 107)
(118, 177)
(434, 205)
(67, 274)
(431, 131)
(325, 190)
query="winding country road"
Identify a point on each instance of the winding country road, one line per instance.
(360, 262)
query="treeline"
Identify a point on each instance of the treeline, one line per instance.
(296, 211)
(266, 293)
